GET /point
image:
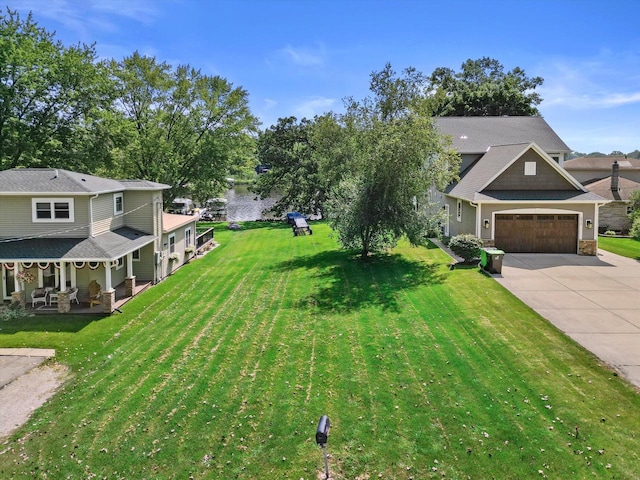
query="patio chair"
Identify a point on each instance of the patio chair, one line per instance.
(73, 295)
(95, 293)
(39, 295)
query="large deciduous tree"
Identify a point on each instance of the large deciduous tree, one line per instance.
(482, 88)
(184, 128)
(52, 99)
(305, 158)
(398, 157)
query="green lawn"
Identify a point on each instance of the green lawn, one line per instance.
(223, 370)
(627, 247)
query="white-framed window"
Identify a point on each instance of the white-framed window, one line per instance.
(135, 255)
(529, 168)
(118, 203)
(172, 243)
(119, 263)
(52, 210)
(459, 210)
(188, 238)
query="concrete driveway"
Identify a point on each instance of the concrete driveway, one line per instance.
(594, 300)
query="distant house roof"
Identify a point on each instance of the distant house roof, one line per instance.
(28, 181)
(601, 163)
(476, 178)
(476, 134)
(105, 247)
(603, 188)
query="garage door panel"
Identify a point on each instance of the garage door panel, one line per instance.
(537, 233)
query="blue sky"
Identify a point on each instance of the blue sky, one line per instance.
(303, 57)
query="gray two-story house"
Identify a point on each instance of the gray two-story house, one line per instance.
(68, 237)
(513, 192)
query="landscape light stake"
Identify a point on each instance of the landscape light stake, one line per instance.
(322, 435)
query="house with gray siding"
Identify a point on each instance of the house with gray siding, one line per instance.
(512, 191)
(65, 230)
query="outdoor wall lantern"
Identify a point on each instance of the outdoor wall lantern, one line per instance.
(589, 223)
(486, 223)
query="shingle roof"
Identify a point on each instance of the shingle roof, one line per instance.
(477, 134)
(495, 161)
(601, 163)
(491, 163)
(603, 188)
(59, 181)
(108, 246)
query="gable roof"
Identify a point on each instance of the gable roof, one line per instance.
(476, 134)
(602, 187)
(29, 181)
(492, 164)
(602, 163)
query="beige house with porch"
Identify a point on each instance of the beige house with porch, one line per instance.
(61, 231)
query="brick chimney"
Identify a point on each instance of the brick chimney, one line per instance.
(615, 175)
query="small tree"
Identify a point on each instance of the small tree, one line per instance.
(466, 246)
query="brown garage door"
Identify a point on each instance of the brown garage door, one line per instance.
(537, 233)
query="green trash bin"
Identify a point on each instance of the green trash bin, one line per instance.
(484, 258)
(494, 260)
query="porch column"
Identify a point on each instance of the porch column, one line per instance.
(19, 297)
(18, 284)
(40, 278)
(64, 304)
(63, 276)
(107, 276)
(130, 264)
(74, 276)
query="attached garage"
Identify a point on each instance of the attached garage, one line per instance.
(534, 233)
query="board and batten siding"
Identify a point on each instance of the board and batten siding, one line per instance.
(16, 218)
(546, 177)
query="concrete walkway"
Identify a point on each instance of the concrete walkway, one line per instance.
(594, 300)
(15, 362)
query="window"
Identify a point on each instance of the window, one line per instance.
(136, 255)
(459, 210)
(529, 168)
(629, 209)
(172, 243)
(119, 263)
(52, 209)
(187, 237)
(118, 204)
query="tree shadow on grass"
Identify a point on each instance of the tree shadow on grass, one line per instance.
(347, 284)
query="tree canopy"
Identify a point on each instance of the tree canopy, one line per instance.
(51, 99)
(398, 157)
(183, 128)
(482, 88)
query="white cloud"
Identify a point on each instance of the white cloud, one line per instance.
(86, 16)
(607, 81)
(304, 57)
(314, 106)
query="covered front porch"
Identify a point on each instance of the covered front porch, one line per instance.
(83, 307)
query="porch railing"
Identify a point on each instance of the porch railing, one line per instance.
(204, 239)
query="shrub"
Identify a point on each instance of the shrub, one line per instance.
(466, 246)
(609, 232)
(635, 228)
(14, 311)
